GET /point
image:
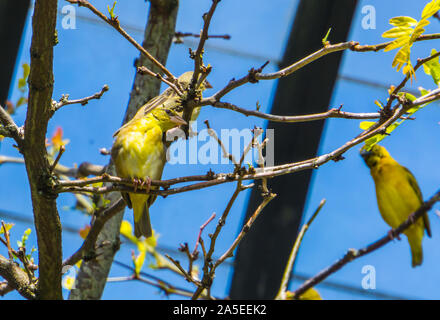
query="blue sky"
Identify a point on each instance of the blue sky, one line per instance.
(94, 54)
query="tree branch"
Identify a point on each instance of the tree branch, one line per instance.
(114, 22)
(47, 221)
(83, 101)
(17, 279)
(100, 218)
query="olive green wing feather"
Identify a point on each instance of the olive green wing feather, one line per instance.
(413, 183)
(146, 108)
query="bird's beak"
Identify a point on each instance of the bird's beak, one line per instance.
(208, 85)
(177, 120)
(365, 154)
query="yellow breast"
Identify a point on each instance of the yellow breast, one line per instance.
(140, 151)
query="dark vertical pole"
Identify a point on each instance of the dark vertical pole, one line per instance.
(262, 255)
(12, 19)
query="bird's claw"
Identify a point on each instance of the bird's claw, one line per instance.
(393, 236)
(143, 183)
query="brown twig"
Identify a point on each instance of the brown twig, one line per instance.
(101, 217)
(83, 101)
(187, 276)
(229, 253)
(57, 159)
(114, 22)
(8, 127)
(293, 254)
(332, 113)
(199, 237)
(179, 35)
(209, 180)
(207, 265)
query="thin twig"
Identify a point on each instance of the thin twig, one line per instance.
(114, 22)
(57, 159)
(83, 101)
(101, 217)
(294, 253)
(202, 227)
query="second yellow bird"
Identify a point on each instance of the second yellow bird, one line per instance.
(398, 195)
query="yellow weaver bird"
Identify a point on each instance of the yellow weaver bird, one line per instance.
(170, 99)
(139, 153)
(398, 195)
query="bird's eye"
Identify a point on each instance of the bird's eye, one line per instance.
(169, 112)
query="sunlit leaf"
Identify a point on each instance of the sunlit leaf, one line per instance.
(430, 9)
(403, 21)
(365, 125)
(432, 68)
(397, 32)
(8, 227)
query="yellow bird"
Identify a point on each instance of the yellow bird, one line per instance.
(170, 99)
(139, 153)
(398, 195)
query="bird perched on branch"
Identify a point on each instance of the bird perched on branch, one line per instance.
(139, 149)
(398, 196)
(139, 153)
(170, 99)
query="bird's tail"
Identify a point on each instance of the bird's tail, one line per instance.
(415, 242)
(142, 224)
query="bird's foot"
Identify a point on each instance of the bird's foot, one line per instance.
(143, 183)
(392, 235)
(147, 184)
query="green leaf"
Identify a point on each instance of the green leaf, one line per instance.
(365, 125)
(26, 70)
(112, 10)
(21, 101)
(21, 83)
(8, 227)
(138, 262)
(398, 32)
(432, 68)
(24, 238)
(403, 22)
(324, 40)
(430, 9)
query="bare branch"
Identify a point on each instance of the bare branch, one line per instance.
(16, 278)
(64, 99)
(293, 254)
(8, 127)
(100, 218)
(332, 113)
(114, 22)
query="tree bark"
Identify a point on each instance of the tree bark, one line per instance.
(47, 221)
(159, 32)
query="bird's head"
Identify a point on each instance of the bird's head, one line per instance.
(167, 118)
(373, 156)
(185, 81)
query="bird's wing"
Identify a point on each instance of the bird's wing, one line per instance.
(146, 108)
(127, 199)
(415, 186)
